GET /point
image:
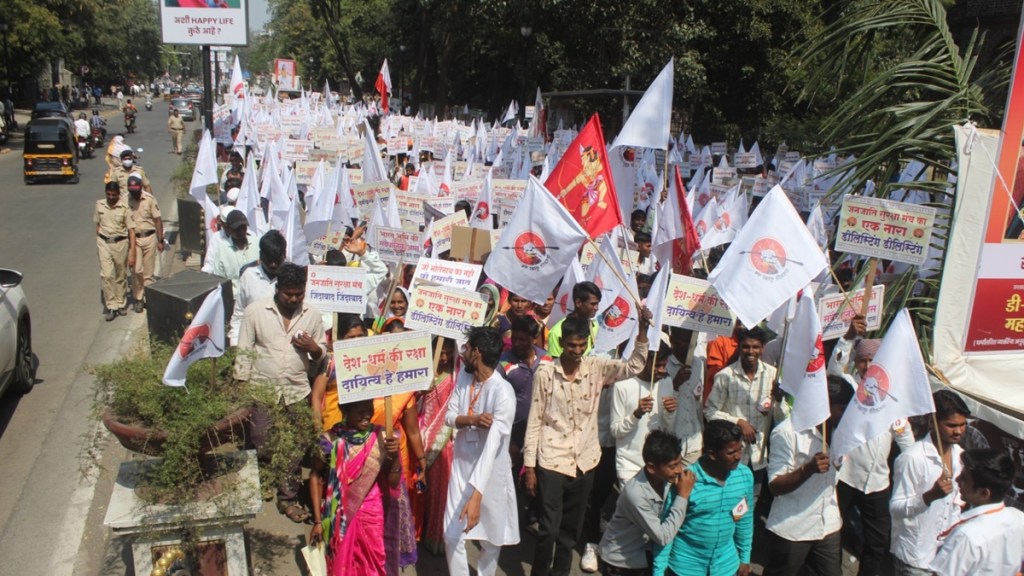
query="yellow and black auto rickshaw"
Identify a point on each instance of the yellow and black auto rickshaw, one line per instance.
(50, 150)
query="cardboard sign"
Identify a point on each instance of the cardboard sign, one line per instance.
(397, 245)
(441, 232)
(836, 317)
(460, 275)
(317, 248)
(304, 171)
(470, 244)
(694, 304)
(467, 189)
(367, 194)
(445, 311)
(719, 148)
(410, 209)
(337, 289)
(885, 229)
(295, 150)
(383, 365)
(746, 160)
(508, 190)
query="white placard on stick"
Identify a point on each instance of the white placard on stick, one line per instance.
(336, 289)
(461, 275)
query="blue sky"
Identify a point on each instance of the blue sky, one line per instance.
(258, 14)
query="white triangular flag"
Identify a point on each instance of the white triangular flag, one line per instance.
(204, 338)
(563, 299)
(772, 257)
(648, 125)
(203, 175)
(731, 215)
(895, 386)
(803, 366)
(481, 217)
(538, 244)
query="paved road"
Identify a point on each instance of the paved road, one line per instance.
(46, 232)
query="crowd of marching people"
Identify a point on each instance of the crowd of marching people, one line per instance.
(665, 453)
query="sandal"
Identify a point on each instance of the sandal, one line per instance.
(294, 511)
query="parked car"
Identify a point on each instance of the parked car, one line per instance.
(17, 367)
(50, 110)
(185, 107)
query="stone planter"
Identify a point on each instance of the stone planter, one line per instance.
(151, 442)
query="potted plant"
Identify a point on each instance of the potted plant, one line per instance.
(186, 427)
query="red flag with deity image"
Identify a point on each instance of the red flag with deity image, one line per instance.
(582, 182)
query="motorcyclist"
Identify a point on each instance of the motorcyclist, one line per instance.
(129, 112)
(99, 123)
(82, 127)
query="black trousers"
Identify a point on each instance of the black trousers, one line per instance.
(820, 557)
(563, 506)
(874, 515)
(604, 483)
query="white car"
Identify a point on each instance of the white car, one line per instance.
(17, 368)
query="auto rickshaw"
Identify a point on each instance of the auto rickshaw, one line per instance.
(50, 150)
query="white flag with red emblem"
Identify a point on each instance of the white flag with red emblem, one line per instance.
(538, 244)
(484, 207)
(237, 81)
(617, 314)
(730, 216)
(383, 86)
(204, 338)
(771, 258)
(894, 386)
(803, 365)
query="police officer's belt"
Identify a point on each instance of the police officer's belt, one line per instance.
(112, 239)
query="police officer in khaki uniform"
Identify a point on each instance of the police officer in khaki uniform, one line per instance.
(176, 128)
(128, 168)
(149, 238)
(115, 242)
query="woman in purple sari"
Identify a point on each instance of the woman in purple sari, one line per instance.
(355, 490)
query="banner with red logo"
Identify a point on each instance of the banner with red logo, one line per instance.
(538, 244)
(582, 182)
(803, 366)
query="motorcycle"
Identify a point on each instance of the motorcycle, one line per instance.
(85, 147)
(149, 104)
(96, 139)
(129, 122)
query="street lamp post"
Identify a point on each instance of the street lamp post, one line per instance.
(401, 78)
(525, 31)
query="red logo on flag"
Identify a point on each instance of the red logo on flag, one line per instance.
(563, 303)
(874, 389)
(723, 222)
(617, 313)
(193, 339)
(483, 211)
(530, 249)
(702, 228)
(817, 361)
(768, 256)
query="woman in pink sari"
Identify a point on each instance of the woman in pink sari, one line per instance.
(437, 444)
(355, 489)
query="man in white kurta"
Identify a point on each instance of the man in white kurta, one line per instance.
(481, 495)
(640, 406)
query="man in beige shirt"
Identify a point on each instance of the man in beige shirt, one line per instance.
(149, 238)
(176, 127)
(280, 342)
(115, 242)
(561, 448)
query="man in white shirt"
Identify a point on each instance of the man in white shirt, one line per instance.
(481, 501)
(257, 279)
(742, 395)
(82, 128)
(240, 249)
(641, 405)
(688, 381)
(989, 538)
(864, 472)
(925, 500)
(804, 521)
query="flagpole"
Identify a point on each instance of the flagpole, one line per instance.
(935, 420)
(868, 285)
(395, 278)
(616, 272)
(778, 380)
